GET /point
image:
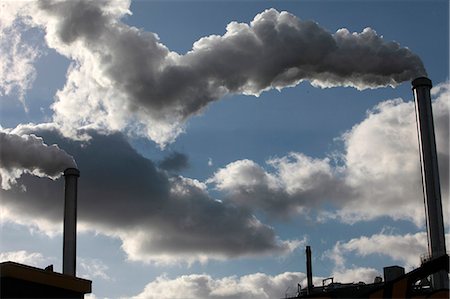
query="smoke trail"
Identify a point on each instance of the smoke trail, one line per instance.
(28, 153)
(123, 77)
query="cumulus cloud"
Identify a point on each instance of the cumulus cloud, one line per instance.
(202, 286)
(298, 183)
(257, 285)
(383, 244)
(378, 173)
(356, 275)
(382, 160)
(123, 78)
(159, 217)
(29, 154)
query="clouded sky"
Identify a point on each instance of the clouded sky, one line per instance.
(216, 139)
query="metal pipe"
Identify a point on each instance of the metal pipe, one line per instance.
(309, 270)
(70, 221)
(430, 175)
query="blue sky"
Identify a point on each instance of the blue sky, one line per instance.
(217, 201)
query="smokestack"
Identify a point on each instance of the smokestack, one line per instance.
(70, 221)
(309, 270)
(430, 175)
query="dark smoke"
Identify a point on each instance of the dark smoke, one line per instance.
(29, 153)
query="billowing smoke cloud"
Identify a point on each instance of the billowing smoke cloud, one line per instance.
(378, 173)
(123, 78)
(29, 153)
(158, 217)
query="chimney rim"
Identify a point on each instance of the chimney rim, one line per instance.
(421, 81)
(71, 171)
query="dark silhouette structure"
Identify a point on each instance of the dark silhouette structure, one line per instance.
(430, 176)
(396, 284)
(22, 281)
(431, 279)
(309, 275)
(71, 176)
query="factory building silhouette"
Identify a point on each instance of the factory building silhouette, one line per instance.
(430, 280)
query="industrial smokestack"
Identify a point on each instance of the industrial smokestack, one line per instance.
(70, 221)
(430, 175)
(309, 270)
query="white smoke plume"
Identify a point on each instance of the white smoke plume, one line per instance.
(123, 78)
(29, 153)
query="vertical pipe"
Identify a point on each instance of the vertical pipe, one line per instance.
(430, 175)
(70, 221)
(309, 270)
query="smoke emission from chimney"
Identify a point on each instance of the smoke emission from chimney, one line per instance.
(29, 153)
(125, 77)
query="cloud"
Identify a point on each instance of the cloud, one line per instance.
(174, 162)
(123, 78)
(356, 274)
(202, 286)
(382, 160)
(158, 217)
(24, 257)
(17, 72)
(93, 268)
(298, 183)
(382, 244)
(377, 174)
(257, 285)
(29, 154)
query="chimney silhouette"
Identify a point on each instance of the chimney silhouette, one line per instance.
(70, 221)
(430, 175)
(309, 276)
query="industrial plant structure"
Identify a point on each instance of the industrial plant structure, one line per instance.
(431, 279)
(22, 281)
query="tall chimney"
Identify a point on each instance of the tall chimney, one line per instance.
(309, 270)
(430, 175)
(70, 221)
